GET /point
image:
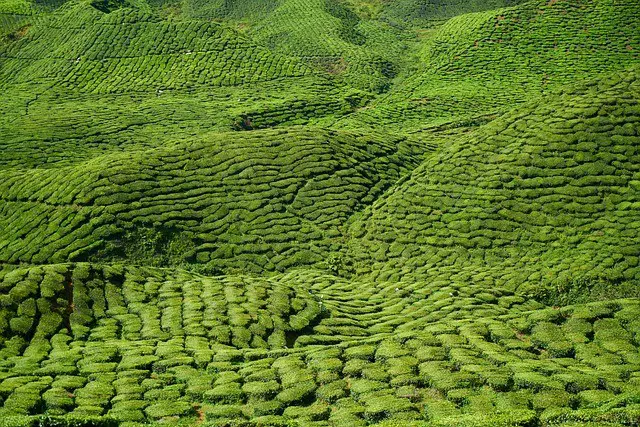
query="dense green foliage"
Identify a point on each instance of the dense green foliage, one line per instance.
(483, 63)
(544, 195)
(139, 344)
(319, 213)
(228, 201)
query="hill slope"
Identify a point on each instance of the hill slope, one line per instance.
(255, 201)
(485, 63)
(547, 193)
(144, 345)
(128, 79)
(319, 213)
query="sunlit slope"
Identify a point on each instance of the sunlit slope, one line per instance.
(247, 11)
(111, 344)
(428, 13)
(327, 34)
(81, 82)
(484, 63)
(545, 194)
(253, 201)
(82, 48)
(60, 128)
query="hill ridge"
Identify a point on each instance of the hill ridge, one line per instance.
(319, 213)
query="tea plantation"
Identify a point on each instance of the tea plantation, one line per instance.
(319, 213)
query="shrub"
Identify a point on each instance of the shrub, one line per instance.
(551, 399)
(333, 391)
(21, 325)
(261, 375)
(69, 382)
(55, 398)
(355, 366)
(127, 415)
(430, 353)
(390, 349)
(224, 411)
(378, 408)
(169, 408)
(297, 393)
(549, 336)
(589, 398)
(228, 393)
(137, 362)
(260, 408)
(261, 390)
(376, 372)
(360, 352)
(317, 411)
(536, 381)
(438, 376)
(363, 386)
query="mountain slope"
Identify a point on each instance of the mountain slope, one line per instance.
(547, 193)
(485, 63)
(254, 201)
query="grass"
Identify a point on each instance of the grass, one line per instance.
(319, 213)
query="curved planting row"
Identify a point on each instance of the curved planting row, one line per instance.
(139, 345)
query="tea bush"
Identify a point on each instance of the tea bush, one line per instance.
(319, 212)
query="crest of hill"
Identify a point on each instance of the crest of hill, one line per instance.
(252, 201)
(329, 35)
(485, 63)
(81, 48)
(546, 194)
(80, 82)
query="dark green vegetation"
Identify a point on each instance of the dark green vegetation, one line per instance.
(319, 213)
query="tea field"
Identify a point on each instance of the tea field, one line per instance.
(319, 213)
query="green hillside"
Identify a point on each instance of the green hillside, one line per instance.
(428, 13)
(319, 213)
(264, 200)
(482, 64)
(128, 79)
(328, 35)
(141, 344)
(546, 193)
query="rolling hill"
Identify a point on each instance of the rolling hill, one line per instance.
(319, 213)
(548, 192)
(485, 63)
(255, 201)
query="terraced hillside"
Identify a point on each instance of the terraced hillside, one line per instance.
(141, 345)
(319, 213)
(546, 193)
(327, 34)
(253, 202)
(128, 79)
(482, 64)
